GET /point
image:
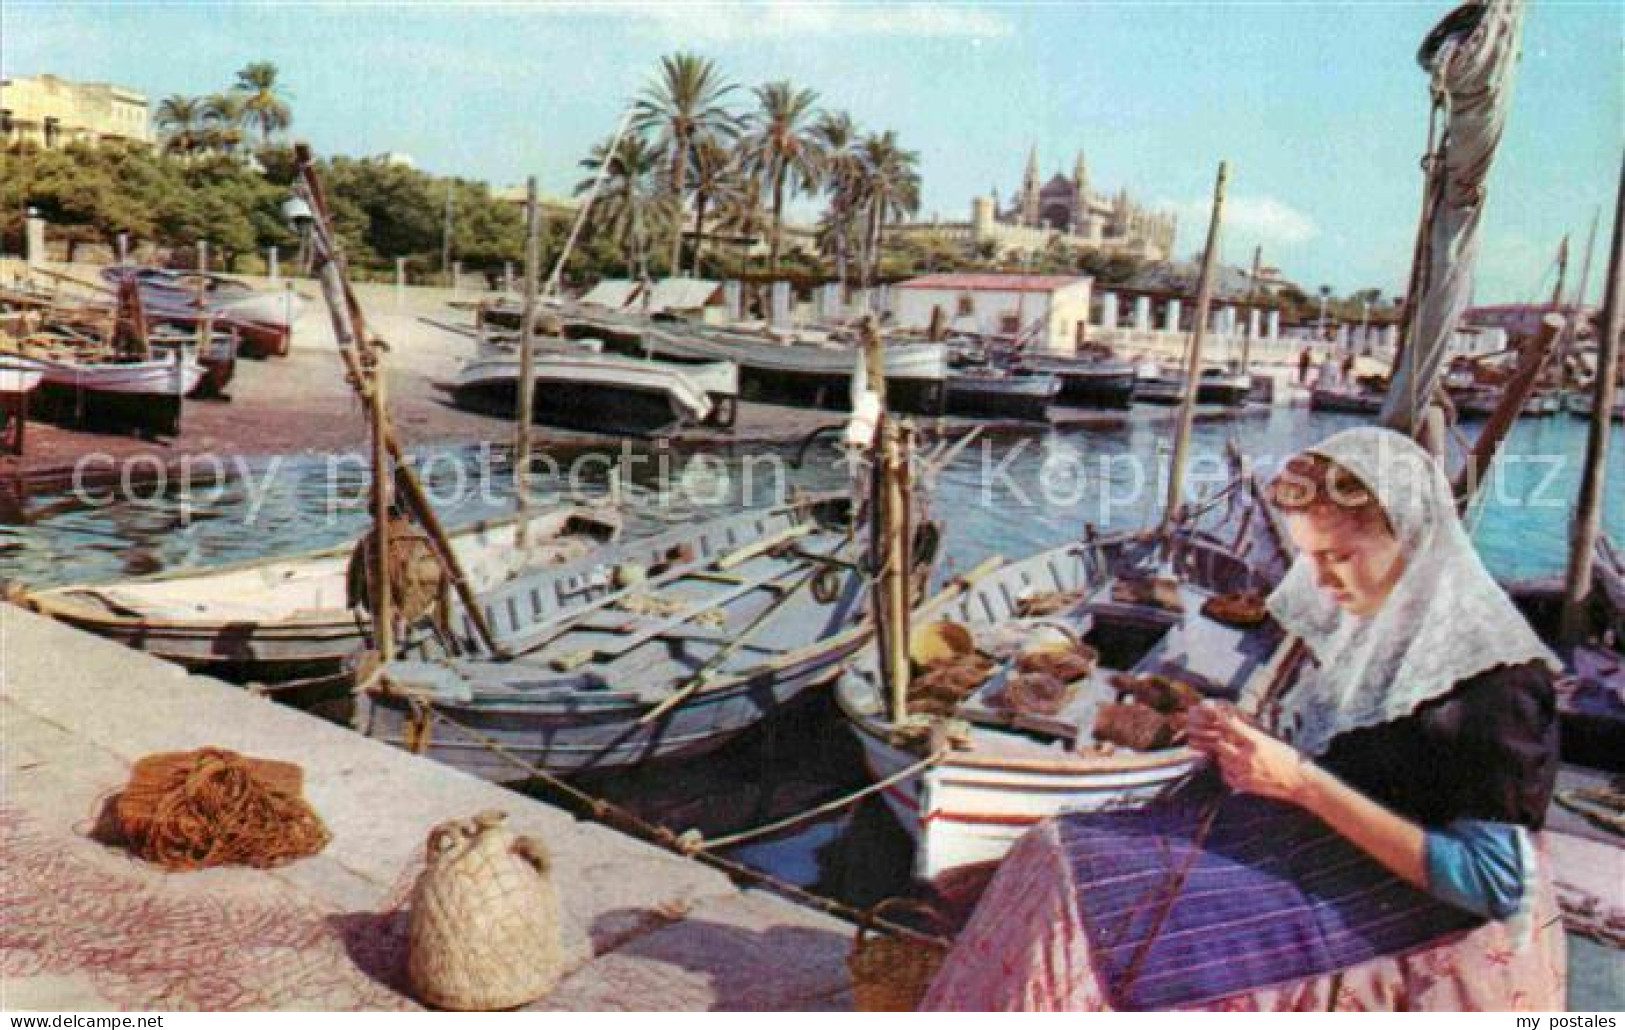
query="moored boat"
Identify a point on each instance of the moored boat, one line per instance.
(1002, 395)
(1344, 401)
(655, 649)
(284, 619)
(603, 393)
(1089, 384)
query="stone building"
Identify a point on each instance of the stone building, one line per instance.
(1061, 211)
(51, 112)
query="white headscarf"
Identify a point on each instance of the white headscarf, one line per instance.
(1445, 621)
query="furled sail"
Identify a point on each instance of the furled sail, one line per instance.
(1470, 57)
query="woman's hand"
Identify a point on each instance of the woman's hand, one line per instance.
(1250, 760)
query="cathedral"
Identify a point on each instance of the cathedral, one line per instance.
(1084, 218)
(1063, 210)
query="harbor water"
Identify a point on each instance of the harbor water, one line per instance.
(1009, 496)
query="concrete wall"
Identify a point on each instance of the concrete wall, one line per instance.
(1059, 311)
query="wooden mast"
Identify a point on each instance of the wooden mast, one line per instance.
(1193, 354)
(890, 514)
(365, 376)
(1588, 511)
(527, 363)
(1252, 298)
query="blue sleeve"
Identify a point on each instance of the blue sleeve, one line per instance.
(1479, 866)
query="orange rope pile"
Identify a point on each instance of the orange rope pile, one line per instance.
(196, 809)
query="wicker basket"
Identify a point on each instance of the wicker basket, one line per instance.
(484, 930)
(891, 973)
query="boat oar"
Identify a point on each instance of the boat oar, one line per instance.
(702, 675)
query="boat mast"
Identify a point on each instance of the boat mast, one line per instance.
(527, 363)
(363, 361)
(893, 562)
(1588, 511)
(1193, 355)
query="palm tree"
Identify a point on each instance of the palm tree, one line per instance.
(781, 150)
(629, 202)
(223, 115)
(716, 187)
(263, 105)
(837, 139)
(740, 213)
(685, 105)
(890, 190)
(180, 119)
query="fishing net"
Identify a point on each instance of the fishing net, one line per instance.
(210, 807)
(417, 583)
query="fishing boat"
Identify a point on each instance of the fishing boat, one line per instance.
(1214, 386)
(282, 620)
(815, 374)
(1086, 383)
(262, 319)
(1344, 401)
(603, 393)
(654, 649)
(1581, 403)
(978, 797)
(1543, 404)
(1002, 394)
(19, 375)
(217, 354)
(91, 389)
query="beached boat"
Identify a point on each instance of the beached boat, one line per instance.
(972, 804)
(262, 319)
(603, 393)
(284, 619)
(659, 648)
(1002, 395)
(1089, 383)
(798, 373)
(93, 390)
(19, 375)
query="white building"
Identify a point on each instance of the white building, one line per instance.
(1049, 312)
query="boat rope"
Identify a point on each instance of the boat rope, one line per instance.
(688, 844)
(827, 807)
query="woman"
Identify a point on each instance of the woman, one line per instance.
(1373, 843)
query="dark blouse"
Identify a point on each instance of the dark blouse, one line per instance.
(1486, 750)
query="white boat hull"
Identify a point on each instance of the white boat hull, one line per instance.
(157, 378)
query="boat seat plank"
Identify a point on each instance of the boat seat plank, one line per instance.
(656, 627)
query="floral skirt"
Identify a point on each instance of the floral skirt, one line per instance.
(1025, 949)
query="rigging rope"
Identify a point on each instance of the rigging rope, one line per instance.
(688, 845)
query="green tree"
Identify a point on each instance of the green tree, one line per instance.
(782, 151)
(263, 104)
(629, 206)
(685, 106)
(222, 118)
(837, 139)
(889, 190)
(716, 185)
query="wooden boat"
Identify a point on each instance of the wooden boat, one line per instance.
(142, 394)
(1214, 386)
(218, 355)
(604, 393)
(972, 805)
(262, 319)
(1580, 403)
(1089, 384)
(285, 619)
(1543, 404)
(1344, 401)
(19, 375)
(1002, 395)
(799, 373)
(654, 649)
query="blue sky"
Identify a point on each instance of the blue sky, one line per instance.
(1319, 107)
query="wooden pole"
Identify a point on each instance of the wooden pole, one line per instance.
(1562, 272)
(1588, 511)
(1252, 295)
(527, 360)
(895, 570)
(350, 330)
(1193, 354)
(1513, 398)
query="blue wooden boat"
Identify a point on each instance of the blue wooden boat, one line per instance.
(653, 649)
